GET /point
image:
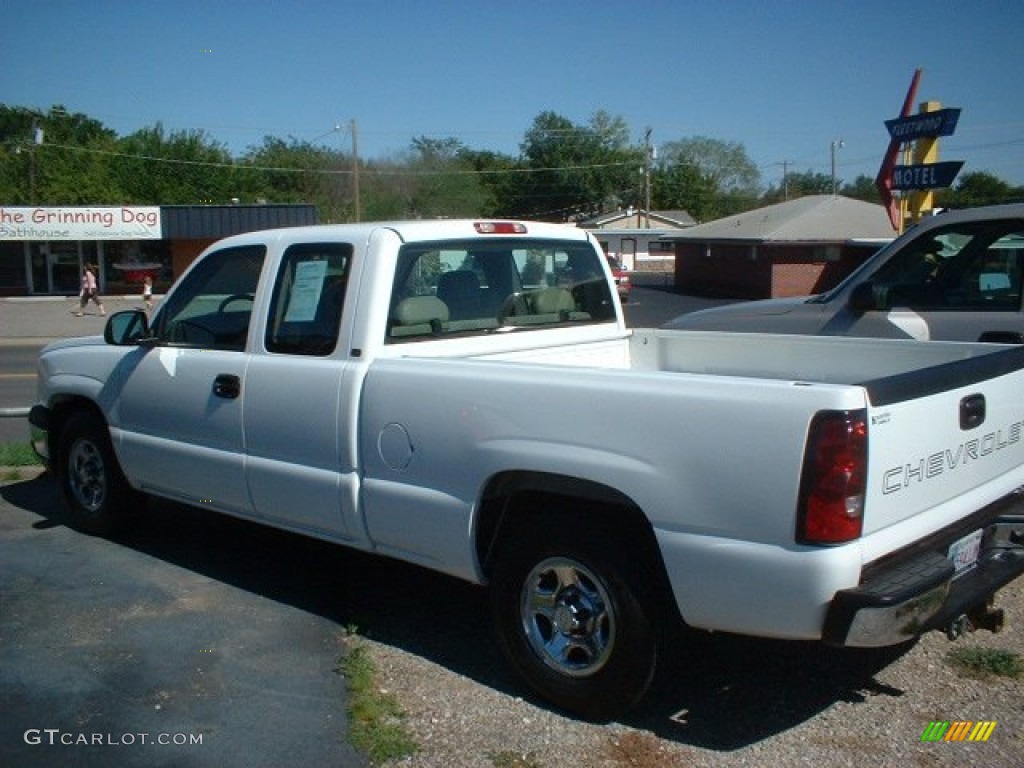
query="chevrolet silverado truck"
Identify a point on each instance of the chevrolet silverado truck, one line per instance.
(432, 391)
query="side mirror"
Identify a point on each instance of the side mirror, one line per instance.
(866, 297)
(128, 328)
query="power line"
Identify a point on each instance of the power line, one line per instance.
(329, 172)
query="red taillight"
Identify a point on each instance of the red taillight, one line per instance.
(500, 227)
(834, 478)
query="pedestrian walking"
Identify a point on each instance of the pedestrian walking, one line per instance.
(90, 290)
(147, 292)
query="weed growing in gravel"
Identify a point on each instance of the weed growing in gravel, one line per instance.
(984, 663)
(375, 719)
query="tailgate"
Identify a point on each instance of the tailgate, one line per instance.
(945, 441)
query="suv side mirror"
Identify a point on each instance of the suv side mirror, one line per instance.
(128, 328)
(865, 297)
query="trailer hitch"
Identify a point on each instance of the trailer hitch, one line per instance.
(980, 617)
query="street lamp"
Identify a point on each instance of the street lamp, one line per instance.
(836, 144)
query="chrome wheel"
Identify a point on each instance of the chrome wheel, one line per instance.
(568, 617)
(87, 475)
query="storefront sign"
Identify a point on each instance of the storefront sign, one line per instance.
(80, 223)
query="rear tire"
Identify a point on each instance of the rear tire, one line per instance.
(94, 488)
(571, 618)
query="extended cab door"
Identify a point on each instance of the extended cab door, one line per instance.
(179, 409)
(961, 283)
(300, 464)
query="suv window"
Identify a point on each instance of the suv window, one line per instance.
(974, 266)
(464, 287)
(212, 307)
(309, 294)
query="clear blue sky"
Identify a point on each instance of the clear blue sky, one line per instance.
(784, 78)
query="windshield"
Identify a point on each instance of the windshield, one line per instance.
(507, 284)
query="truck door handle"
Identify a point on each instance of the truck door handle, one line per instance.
(227, 385)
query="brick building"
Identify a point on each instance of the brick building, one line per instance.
(796, 248)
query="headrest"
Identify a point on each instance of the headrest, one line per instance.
(553, 300)
(421, 309)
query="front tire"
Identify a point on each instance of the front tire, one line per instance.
(572, 620)
(94, 488)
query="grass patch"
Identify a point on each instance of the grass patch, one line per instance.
(18, 455)
(374, 717)
(985, 663)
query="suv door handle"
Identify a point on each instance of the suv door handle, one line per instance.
(227, 385)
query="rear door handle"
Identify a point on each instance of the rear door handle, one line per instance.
(227, 385)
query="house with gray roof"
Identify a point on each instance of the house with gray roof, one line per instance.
(795, 248)
(637, 237)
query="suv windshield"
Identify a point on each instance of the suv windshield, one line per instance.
(461, 287)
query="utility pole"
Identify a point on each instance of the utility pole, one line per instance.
(647, 179)
(355, 167)
(837, 144)
(785, 179)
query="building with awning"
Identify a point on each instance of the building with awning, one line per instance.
(43, 249)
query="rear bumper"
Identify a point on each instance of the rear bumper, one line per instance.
(917, 590)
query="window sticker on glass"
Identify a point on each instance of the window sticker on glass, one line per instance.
(309, 282)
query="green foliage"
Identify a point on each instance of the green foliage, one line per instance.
(980, 188)
(564, 171)
(179, 168)
(375, 719)
(18, 455)
(985, 663)
(568, 170)
(705, 177)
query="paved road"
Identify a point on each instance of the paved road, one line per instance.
(218, 637)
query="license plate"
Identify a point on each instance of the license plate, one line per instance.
(964, 552)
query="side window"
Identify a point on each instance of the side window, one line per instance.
(212, 307)
(309, 294)
(970, 267)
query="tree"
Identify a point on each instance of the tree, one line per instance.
(570, 170)
(55, 158)
(980, 188)
(706, 177)
(442, 181)
(862, 188)
(295, 171)
(179, 168)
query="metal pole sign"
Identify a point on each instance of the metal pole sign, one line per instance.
(927, 176)
(942, 122)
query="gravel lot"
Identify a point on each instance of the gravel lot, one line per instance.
(721, 701)
(727, 701)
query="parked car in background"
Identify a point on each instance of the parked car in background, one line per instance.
(956, 276)
(622, 282)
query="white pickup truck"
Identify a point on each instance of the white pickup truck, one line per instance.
(437, 392)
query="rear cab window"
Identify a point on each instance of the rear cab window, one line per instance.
(506, 284)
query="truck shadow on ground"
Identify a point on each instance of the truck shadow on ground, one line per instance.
(722, 692)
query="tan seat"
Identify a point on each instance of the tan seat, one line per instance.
(419, 316)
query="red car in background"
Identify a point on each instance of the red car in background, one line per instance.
(621, 275)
